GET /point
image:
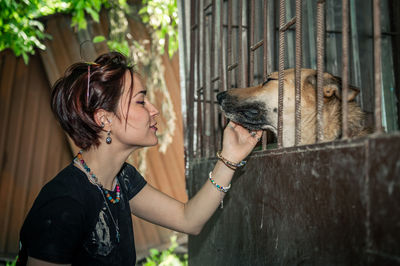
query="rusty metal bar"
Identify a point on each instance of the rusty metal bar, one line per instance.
(298, 73)
(190, 95)
(199, 131)
(240, 57)
(377, 66)
(281, 67)
(320, 67)
(345, 66)
(229, 46)
(231, 67)
(208, 6)
(286, 26)
(221, 57)
(204, 137)
(252, 26)
(256, 45)
(265, 60)
(265, 40)
(212, 95)
(199, 91)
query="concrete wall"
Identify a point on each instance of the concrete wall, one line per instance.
(324, 204)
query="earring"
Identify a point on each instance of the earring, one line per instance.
(108, 139)
(102, 125)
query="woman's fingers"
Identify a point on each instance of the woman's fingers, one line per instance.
(244, 132)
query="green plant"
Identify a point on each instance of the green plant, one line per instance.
(21, 29)
(166, 257)
(12, 263)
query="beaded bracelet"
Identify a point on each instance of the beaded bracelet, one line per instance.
(220, 188)
(230, 164)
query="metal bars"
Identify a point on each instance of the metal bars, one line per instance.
(377, 66)
(232, 63)
(320, 67)
(282, 19)
(298, 73)
(345, 66)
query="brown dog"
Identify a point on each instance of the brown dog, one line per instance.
(257, 107)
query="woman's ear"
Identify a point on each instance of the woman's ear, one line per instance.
(102, 119)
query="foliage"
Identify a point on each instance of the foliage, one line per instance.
(22, 31)
(20, 26)
(166, 257)
(162, 16)
(12, 263)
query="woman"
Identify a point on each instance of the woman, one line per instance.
(83, 215)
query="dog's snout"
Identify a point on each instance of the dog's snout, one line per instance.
(221, 96)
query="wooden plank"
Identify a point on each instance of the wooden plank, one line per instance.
(24, 162)
(14, 133)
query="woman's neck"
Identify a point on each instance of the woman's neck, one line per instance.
(105, 161)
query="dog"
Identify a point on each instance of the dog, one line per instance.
(257, 107)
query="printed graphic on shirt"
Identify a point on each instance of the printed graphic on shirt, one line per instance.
(101, 242)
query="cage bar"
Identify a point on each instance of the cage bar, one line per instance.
(229, 46)
(252, 26)
(240, 55)
(212, 94)
(298, 73)
(345, 66)
(281, 68)
(265, 61)
(377, 66)
(222, 55)
(190, 95)
(320, 67)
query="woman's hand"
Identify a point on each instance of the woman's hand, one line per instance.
(238, 142)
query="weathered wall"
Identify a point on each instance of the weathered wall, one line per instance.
(325, 204)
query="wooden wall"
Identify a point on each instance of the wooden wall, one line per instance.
(33, 147)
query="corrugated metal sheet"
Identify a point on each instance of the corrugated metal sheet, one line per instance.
(33, 147)
(23, 136)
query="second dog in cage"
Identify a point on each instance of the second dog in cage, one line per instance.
(257, 107)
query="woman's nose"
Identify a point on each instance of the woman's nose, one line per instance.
(152, 109)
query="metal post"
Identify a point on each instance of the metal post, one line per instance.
(298, 73)
(281, 69)
(345, 66)
(377, 66)
(320, 67)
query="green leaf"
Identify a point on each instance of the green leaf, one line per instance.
(93, 13)
(25, 57)
(99, 38)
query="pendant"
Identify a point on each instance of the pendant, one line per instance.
(117, 236)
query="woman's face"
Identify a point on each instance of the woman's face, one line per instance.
(139, 128)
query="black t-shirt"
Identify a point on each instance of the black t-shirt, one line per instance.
(70, 223)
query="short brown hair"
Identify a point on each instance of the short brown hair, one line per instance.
(77, 95)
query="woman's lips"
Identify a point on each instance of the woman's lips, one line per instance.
(154, 128)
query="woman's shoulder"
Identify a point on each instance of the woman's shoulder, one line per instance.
(131, 180)
(69, 183)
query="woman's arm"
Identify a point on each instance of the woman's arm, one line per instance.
(156, 207)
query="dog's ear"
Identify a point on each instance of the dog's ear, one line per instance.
(334, 86)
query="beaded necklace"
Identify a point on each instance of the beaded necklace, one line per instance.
(117, 236)
(93, 179)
